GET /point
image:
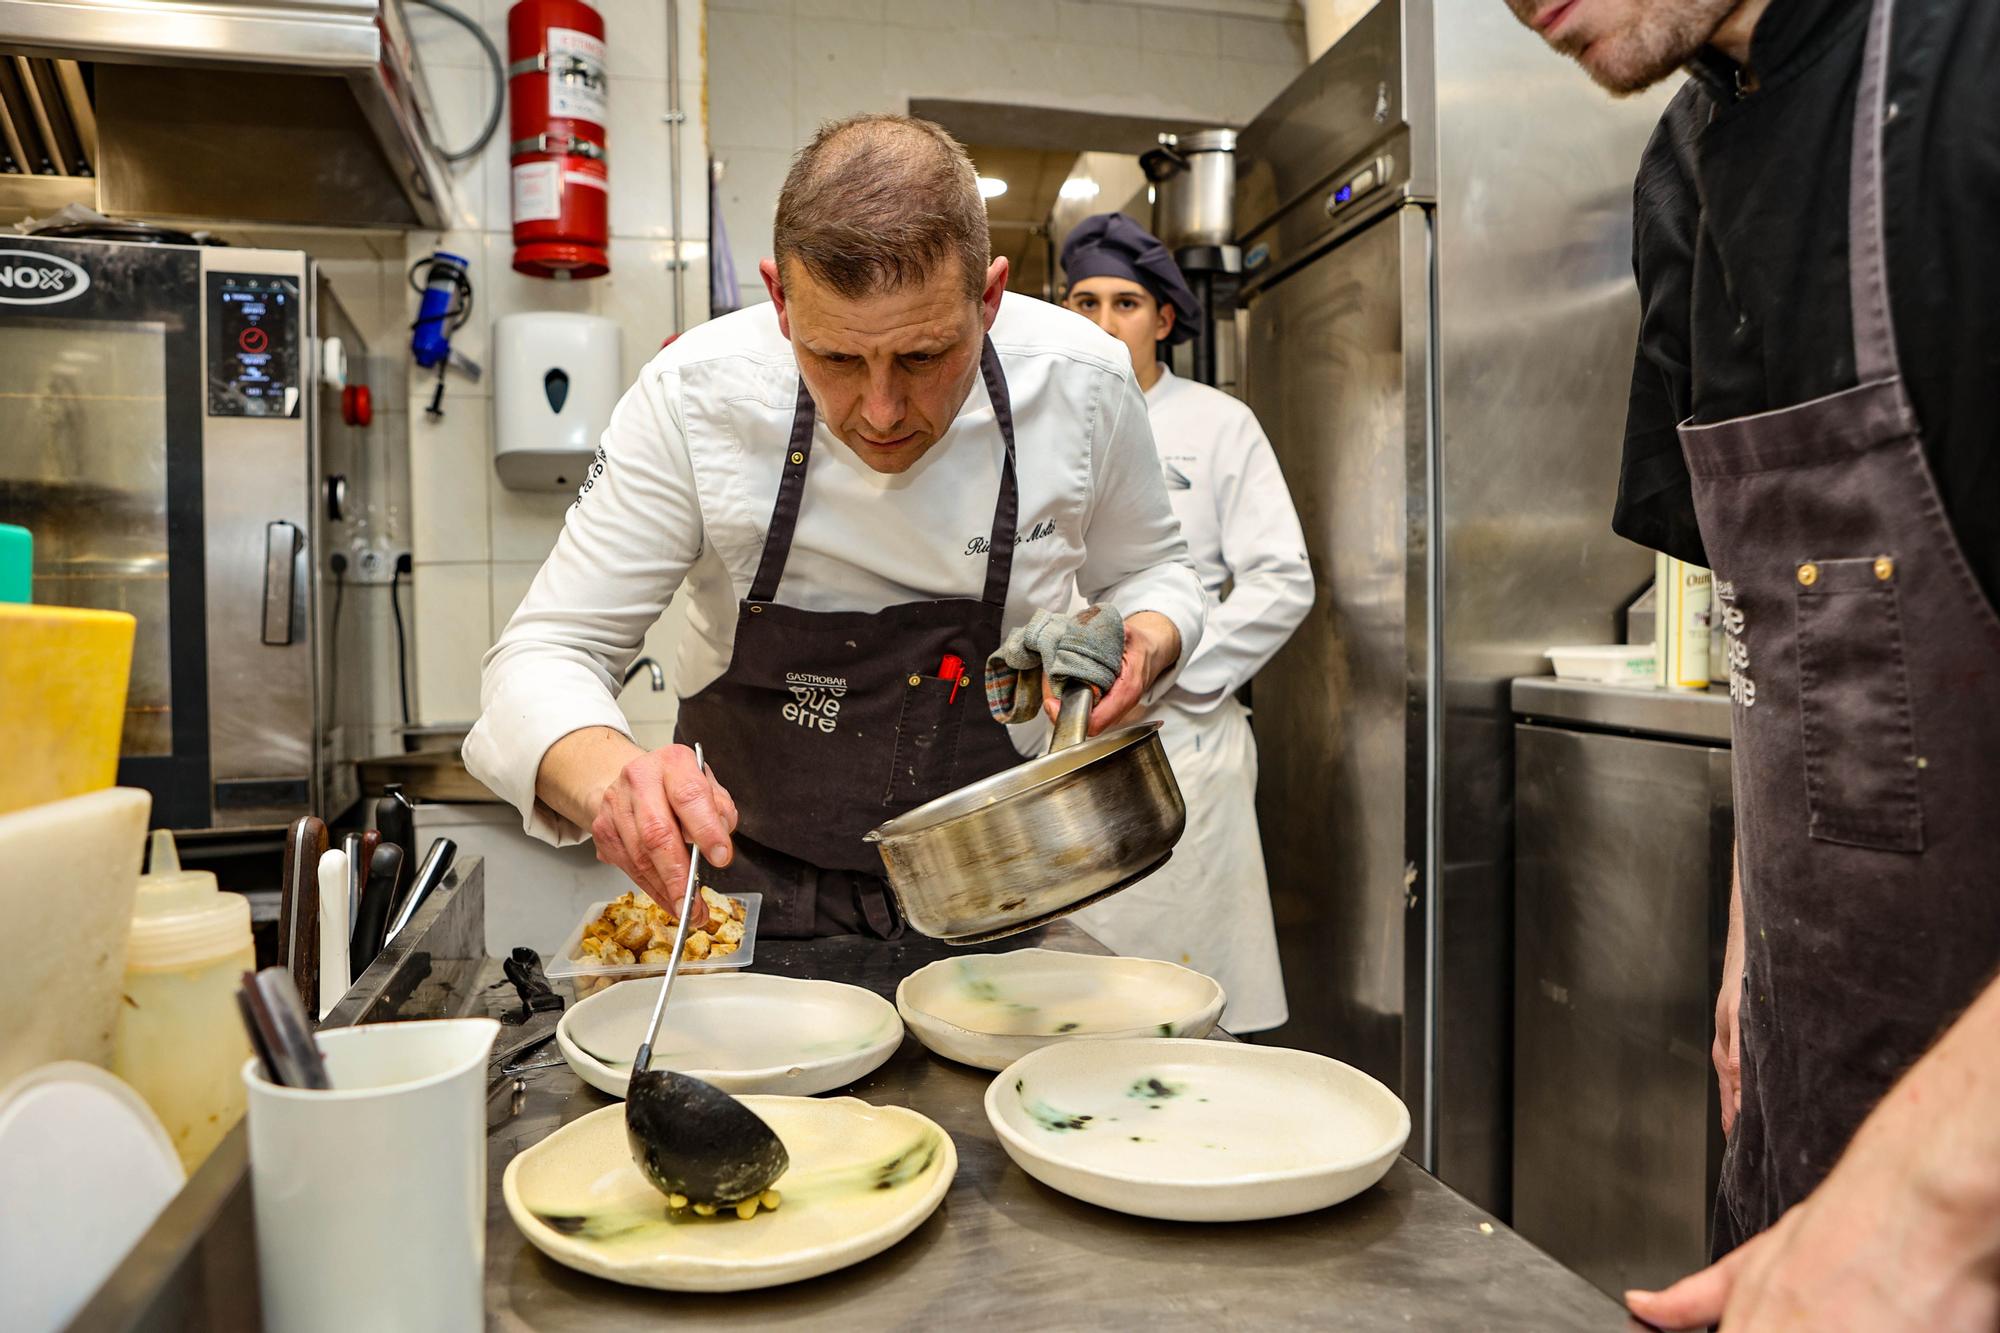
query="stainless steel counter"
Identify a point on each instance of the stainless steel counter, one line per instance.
(1408, 1254)
(1678, 714)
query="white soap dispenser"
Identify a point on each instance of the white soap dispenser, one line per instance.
(556, 377)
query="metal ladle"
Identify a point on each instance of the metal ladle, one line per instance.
(691, 1139)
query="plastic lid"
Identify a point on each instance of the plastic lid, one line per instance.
(181, 921)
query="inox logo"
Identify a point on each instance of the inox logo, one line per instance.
(29, 277)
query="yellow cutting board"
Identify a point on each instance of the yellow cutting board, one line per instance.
(63, 674)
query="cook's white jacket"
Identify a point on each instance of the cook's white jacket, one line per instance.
(1242, 532)
(680, 498)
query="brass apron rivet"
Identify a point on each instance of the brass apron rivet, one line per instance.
(1884, 567)
(916, 680)
(964, 681)
(797, 458)
(1808, 575)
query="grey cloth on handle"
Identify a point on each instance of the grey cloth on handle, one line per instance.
(1087, 648)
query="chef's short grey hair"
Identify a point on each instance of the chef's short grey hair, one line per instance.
(877, 203)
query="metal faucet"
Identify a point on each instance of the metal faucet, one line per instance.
(659, 676)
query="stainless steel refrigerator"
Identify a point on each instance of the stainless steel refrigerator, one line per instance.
(1439, 324)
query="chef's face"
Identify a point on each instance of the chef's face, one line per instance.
(1126, 311)
(1626, 45)
(888, 371)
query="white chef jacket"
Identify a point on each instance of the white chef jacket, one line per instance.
(680, 498)
(1242, 532)
(1209, 907)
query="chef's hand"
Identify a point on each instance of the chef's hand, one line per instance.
(1727, 1050)
(1868, 1250)
(1904, 1233)
(648, 814)
(1152, 644)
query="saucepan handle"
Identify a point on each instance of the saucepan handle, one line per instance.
(1074, 720)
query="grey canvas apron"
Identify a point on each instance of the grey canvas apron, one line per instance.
(1865, 675)
(828, 723)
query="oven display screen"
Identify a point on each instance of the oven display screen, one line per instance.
(253, 345)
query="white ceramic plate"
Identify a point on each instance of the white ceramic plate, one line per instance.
(1196, 1131)
(743, 1032)
(989, 1010)
(861, 1178)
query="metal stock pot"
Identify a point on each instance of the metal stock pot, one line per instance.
(1021, 848)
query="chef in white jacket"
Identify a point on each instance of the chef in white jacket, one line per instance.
(859, 488)
(1210, 907)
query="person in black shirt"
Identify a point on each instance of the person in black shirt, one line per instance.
(1813, 414)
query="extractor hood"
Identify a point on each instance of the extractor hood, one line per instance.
(307, 112)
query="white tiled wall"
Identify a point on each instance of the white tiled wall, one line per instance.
(777, 68)
(774, 69)
(476, 543)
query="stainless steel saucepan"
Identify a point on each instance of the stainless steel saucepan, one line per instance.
(1028, 845)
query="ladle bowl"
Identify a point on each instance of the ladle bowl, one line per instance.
(691, 1139)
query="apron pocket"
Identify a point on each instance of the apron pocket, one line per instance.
(1854, 707)
(926, 747)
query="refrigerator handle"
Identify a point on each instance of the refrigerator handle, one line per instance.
(281, 548)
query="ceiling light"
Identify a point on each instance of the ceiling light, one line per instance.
(1079, 187)
(991, 187)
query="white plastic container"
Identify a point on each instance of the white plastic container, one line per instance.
(590, 976)
(180, 1038)
(1628, 664)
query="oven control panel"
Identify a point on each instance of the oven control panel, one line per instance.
(253, 345)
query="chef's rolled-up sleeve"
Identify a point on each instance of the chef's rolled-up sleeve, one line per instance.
(1134, 555)
(625, 547)
(1271, 582)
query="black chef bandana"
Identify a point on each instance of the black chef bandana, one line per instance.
(1111, 245)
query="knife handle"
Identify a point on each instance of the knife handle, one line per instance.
(376, 896)
(298, 902)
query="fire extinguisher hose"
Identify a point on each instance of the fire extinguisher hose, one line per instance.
(471, 25)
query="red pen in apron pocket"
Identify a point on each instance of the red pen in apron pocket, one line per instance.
(952, 668)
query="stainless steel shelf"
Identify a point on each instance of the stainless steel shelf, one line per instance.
(1675, 714)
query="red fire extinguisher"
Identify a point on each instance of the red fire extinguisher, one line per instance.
(555, 94)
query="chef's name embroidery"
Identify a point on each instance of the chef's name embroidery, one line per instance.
(1742, 689)
(981, 545)
(590, 477)
(815, 700)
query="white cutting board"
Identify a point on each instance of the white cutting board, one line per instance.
(68, 873)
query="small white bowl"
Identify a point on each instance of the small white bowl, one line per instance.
(745, 1032)
(1196, 1131)
(989, 1010)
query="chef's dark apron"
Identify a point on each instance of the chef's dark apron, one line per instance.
(827, 723)
(1865, 675)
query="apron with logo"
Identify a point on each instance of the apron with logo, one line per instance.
(1865, 678)
(827, 723)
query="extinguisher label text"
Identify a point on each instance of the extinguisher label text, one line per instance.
(576, 75)
(537, 192)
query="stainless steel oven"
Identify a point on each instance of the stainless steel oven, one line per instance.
(177, 431)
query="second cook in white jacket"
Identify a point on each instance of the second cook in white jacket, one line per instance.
(1209, 907)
